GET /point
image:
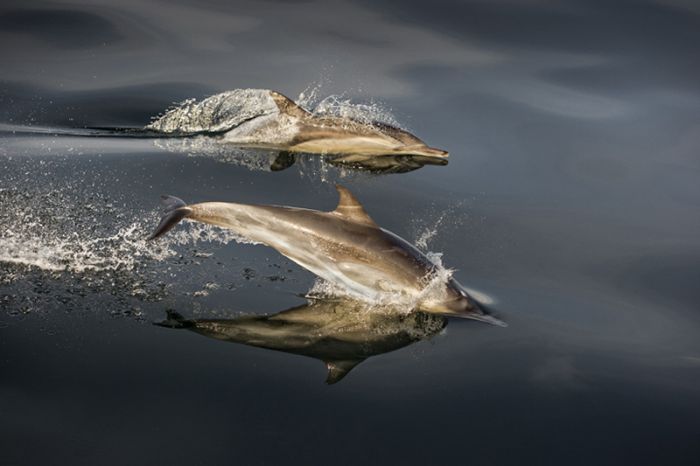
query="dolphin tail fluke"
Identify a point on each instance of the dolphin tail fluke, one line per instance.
(175, 210)
(174, 320)
(337, 370)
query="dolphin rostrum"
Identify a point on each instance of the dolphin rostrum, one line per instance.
(339, 333)
(261, 118)
(344, 247)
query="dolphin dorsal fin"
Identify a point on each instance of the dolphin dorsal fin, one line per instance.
(350, 208)
(337, 370)
(288, 106)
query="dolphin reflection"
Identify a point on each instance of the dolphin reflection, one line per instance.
(274, 160)
(384, 164)
(340, 333)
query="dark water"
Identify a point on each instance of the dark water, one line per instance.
(571, 200)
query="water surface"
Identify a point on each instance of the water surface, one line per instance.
(570, 200)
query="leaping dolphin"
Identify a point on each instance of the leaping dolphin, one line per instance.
(342, 334)
(344, 247)
(261, 118)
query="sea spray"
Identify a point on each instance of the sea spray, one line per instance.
(225, 111)
(433, 284)
(215, 114)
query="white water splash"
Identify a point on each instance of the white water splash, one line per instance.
(75, 253)
(433, 288)
(368, 113)
(204, 146)
(309, 97)
(54, 232)
(428, 233)
(215, 114)
(36, 245)
(339, 105)
(427, 229)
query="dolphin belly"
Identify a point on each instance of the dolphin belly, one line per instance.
(366, 145)
(351, 268)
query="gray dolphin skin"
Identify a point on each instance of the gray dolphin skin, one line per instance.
(339, 333)
(261, 118)
(344, 247)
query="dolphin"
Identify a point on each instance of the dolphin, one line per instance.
(344, 247)
(266, 119)
(342, 333)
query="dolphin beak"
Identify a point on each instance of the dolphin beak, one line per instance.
(424, 151)
(473, 311)
(489, 319)
(433, 152)
(477, 312)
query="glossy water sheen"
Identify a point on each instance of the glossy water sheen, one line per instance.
(570, 201)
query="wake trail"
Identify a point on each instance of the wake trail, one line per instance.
(84, 132)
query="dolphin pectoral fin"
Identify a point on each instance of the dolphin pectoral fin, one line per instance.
(350, 208)
(284, 160)
(174, 320)
(175, 210)
(337, 370)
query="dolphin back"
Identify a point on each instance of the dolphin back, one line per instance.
(175, 210)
